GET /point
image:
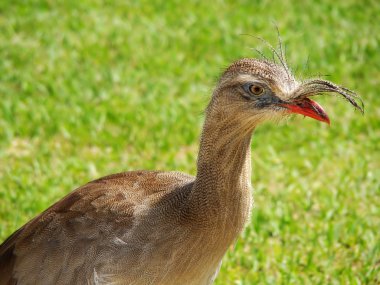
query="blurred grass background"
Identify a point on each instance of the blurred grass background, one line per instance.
(88, 88)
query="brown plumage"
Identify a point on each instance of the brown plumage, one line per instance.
(150, 227)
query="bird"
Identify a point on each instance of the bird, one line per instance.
(165, 227)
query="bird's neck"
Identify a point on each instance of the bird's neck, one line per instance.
(221, 193)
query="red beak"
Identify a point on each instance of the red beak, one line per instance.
(308, 108)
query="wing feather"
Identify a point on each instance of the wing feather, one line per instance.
(62, 242)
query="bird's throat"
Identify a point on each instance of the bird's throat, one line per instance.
(222, 191)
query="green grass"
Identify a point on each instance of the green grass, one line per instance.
(90, 88)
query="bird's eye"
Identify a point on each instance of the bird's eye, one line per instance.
(256, 90)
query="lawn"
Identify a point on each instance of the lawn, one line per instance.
(90, 88)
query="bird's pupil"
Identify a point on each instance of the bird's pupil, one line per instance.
(256, 89)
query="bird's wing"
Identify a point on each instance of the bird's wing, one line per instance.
(76, 230)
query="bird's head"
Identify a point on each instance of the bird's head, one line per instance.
(260, 90)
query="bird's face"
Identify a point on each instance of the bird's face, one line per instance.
(260, 89)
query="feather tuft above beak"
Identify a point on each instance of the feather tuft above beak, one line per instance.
(301, 104)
